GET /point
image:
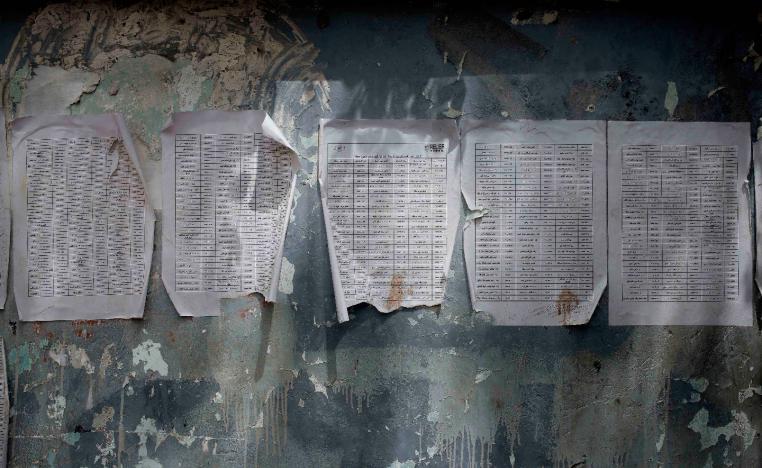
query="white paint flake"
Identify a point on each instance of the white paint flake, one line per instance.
(149, 354)
(286, 284)
(670, 99)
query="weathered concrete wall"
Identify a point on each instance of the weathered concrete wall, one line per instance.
(286, 385)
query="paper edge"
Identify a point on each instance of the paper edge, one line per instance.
(89, 121)
(468, 125)
(180, 299)
(747, 319)
(452, 135)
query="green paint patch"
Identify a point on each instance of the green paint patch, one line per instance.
(141, 88)
(18, 83)
(740, 427)
(23, 356)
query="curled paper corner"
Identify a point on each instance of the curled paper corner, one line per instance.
(476, 214)
(113, 155)
(473, 215)
(746, 187)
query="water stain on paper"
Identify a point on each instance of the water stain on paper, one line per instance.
(397, 292)
(566, 303)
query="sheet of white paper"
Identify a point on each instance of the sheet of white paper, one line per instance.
(83, 226)
(757, 158)
(535, 245)
(5, 212)
(391, 205)
(229, 180)
(679, 228)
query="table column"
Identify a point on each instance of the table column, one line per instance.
(361, 226)
(655, 225)
(528, 218)
(401, 199)
(488, 185)
(693, 223)
(712, 195)
(635, 272)
(381, 224)
(340, 201)
(80, 215)
(266, 188)
(60, 218)
(226, 204)
(730, 224)
(137, 231)
(282, 190)
(421, 236)
(673, 196)
(206, 240)
(101, 170)
(119, 226)
(39, 157)
(247, 220)
(438, 221)
(189, 229)
(544, 273)
(584, 251)
(507, 228)
(569, 271)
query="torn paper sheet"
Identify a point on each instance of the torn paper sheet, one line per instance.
(757, 158)
(82, 225)
(5, 212)
(679, 230)
(536, 247)
(229, 180)
(391, 204)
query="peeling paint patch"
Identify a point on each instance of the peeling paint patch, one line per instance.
(79, 359)
(671, 99)
(286, 284)
(53, 89)
(71, 438)
(149, 354)
(185, 440)
(146, 428)
(699, 384)
(106, 360)
(740, 426)
(749, 392)
(106, 451)
(660, 442)
(71, 355)
(482, 375)
(56, 408)
(522, 17)
(319, 386)
(404, 464)
(451, 113)
(101, 420)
